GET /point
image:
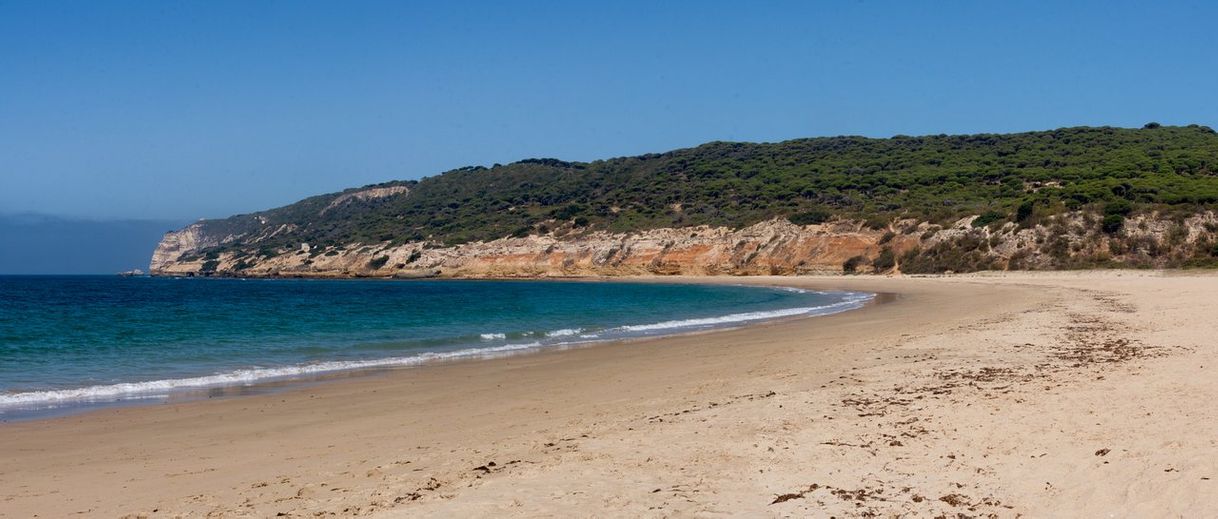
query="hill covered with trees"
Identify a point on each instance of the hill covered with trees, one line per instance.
(1021, 178)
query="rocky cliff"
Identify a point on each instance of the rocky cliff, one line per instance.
(776, 246)
(175, 244)
(772, 247)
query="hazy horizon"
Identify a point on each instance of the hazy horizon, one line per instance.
(36, 244)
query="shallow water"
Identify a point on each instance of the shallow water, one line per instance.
(75, 341)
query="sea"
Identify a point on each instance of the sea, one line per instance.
(72, 343)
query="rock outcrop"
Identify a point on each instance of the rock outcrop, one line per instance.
(366, 195)
(771, 247)
(175, 244)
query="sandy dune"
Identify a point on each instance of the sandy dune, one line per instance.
(1062, 394)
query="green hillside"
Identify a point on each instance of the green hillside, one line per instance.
(933, 178)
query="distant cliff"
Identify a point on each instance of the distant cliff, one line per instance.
(1069, 198)
(771, 247)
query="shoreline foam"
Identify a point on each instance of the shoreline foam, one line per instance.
(35, 404)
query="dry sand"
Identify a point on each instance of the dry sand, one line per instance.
(1067, 394)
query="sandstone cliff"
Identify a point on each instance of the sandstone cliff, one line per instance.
(775, 246)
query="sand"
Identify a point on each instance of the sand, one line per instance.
(1086, 394)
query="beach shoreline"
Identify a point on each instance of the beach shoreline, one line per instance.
(261, 377)
(964, 394)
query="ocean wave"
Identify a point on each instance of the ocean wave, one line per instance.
(563, 337)
(851, 301)
(241, 377)
(565, 332)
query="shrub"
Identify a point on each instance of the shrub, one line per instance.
(877, 222)
(851, 265)
(814, 216)
(1113, 223)
(378, 262)
(569, 211)
(1020, 260)
(987, 218)
(1177, 234)
(887, 237)
(1119, 207)
(1024, 211)
(885, 261)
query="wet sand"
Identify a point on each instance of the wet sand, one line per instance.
(1063, 394)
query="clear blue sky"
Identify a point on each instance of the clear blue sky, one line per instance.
(176, 110)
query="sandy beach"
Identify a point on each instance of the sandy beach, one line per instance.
(1064, 394)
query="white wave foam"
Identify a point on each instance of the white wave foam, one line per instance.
(851, 301)
(241, 377)
(493, 336)
(564, 332)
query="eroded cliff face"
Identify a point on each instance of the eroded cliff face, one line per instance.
(771, 247)
(177, 243)
(367, 194)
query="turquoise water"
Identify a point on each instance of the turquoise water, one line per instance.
(77, 341)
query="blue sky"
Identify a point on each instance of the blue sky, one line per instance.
(180, 110)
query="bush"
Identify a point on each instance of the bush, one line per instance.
(885, 261)
(1024, 211)
(569, 211)
(877, 223)
(987, 218)
(887, 237)
(1118, 207)
(812, 217)
(378, 262)
(1113, 223)
(851, 265)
